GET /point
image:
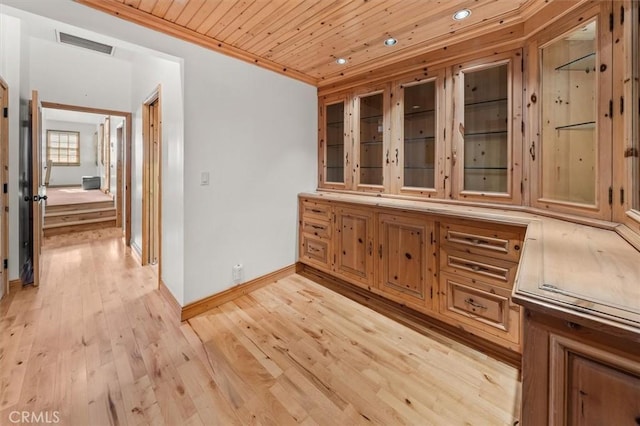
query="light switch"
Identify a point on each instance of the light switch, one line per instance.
(204, 178)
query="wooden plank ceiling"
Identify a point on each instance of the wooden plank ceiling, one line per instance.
(303, 38)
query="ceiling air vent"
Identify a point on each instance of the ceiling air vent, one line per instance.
(84, 43)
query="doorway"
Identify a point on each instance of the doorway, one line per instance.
(110, 158)
(4, 170)
(151, 179)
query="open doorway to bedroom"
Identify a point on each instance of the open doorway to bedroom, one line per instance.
(84, 162)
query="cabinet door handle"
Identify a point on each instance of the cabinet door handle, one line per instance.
(370, 248)
(396, 156)
(380, 251)
(454, 156)
(473, 303)
(387, 156)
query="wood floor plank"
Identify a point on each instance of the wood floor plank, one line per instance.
(97, 343)
(344, 362)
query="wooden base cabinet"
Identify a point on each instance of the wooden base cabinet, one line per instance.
(578, 373)
(406, 258)
(459, 272)
(354, 245)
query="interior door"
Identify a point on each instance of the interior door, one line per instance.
(4, 152)
(38, 190)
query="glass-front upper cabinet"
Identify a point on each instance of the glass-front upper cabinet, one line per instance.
(418, 138)
(574, 107)
(487, 136)
(334, 141)
(371, 133)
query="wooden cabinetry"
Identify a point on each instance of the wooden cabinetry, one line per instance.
(406, 258)
(571, 124)
(578, 372)
(316, 234)
(464, 281)
(354, 245)
(486, 138)
(477, 271)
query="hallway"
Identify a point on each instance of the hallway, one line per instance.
(96, 345)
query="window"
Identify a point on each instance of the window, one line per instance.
(63, 147)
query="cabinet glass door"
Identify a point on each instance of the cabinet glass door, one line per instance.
(334, 138)
(486, 129)
(419, 135)
(569, 117)
(371, 130)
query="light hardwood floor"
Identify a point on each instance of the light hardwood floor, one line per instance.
(97, 344)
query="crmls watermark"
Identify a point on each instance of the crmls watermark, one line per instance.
(26, 417)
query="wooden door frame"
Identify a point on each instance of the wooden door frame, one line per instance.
(154, 98)
(123, 156)
(4, 179)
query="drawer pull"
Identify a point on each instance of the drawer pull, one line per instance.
(317, 227)
(312, 248)
(473, 303)
(476, 241)
(475, 268)
(316, 211)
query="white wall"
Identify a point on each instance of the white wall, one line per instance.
(10, 59)
(72, 175)
(73, 76)
(254, 131)
(148, 74)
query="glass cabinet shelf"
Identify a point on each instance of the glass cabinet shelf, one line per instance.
(490, 101)
(372, 119)
(585, 63)
(495, 132)
(485, 168)
(370, 142)
(587, 125)
(409, 115)
(419, 139)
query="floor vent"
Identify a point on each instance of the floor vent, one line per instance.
(85, 43)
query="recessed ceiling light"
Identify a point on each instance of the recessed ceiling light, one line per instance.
(341, 61)
(461, 14)
(390, 41)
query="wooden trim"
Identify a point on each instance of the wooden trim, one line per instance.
(14, 285)
(126, 154)
(119, 187)
(196, 308)
(148, 20)
(154, 98)
(174, 305)
(404, 315)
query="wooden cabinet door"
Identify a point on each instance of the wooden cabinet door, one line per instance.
(406, 258)
(353, 258)
(601, 395)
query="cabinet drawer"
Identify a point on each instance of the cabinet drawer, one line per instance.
(497, 271)
(315, 250)
(318, 228)
(503, 243)
(481, 306)
(315, 209)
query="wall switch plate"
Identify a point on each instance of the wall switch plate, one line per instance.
(204, 178)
